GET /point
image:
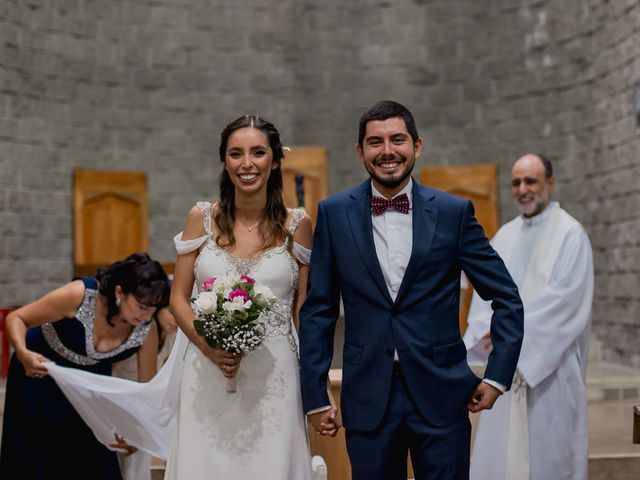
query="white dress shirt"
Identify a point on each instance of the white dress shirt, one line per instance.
(393, 239)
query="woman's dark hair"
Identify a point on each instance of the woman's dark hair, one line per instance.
(137, 275)
(274, 215)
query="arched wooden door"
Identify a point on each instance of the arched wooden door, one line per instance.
(110, 218)
(478, 183)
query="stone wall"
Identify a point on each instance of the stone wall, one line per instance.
(487, 82)
(604, 171)
(147, 85)
(123, 85)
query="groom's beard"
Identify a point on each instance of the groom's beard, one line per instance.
(394, 180)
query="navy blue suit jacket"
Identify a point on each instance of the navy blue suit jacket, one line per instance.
(422, 322)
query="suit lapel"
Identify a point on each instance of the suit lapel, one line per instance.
(425, 216)
(359, 215)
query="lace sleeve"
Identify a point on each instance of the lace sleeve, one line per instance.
(205, 210)
(302, 254)
(296, 215)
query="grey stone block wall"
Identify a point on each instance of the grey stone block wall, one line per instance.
(489, 81)
(147, 85)
(124, 85)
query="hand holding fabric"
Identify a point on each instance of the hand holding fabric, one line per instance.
(123, 447)
(33, 363)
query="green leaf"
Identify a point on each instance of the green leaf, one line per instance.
(198, 325)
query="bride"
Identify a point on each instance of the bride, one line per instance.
(259, 430)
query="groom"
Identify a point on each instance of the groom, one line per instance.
(393, 250)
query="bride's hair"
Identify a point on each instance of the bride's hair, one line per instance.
(274, 216)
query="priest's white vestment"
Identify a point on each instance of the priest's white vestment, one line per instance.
(549, 257)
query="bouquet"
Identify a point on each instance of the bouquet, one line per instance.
(231, 313)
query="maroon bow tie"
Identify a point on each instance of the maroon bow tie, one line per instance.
(380, 204)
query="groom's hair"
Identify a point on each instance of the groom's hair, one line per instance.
(384, 110)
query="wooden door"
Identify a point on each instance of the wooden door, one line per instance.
(478, 183)
(110, 218)
(309, 164)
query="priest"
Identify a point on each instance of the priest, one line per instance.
(538, 430)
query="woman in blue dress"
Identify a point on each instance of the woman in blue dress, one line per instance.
(87, 324)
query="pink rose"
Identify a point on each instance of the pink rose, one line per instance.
(246, 279)
(207, 285)
(238, 292)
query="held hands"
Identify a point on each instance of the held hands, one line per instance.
(326, 422)
(124, 448)
(33, 364)
(483, 397)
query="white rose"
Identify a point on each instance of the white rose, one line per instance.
(263, 295)
(206, 302)
(222, 284)
(236, 305)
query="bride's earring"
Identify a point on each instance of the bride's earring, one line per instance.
(118, 302)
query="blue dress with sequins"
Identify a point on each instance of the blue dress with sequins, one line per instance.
(43, 437)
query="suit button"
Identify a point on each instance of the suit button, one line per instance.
(389, 352)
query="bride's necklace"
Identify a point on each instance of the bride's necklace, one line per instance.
(249, 228)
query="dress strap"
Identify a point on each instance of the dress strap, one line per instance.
(188, 246)
(297, 214)
(89, 282)
(205, 210)
(302, 254)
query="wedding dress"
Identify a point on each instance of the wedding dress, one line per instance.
(258, 431)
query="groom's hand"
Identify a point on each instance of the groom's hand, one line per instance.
(325, 422)
(483, 397)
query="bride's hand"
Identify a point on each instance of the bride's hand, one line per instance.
(226, 361)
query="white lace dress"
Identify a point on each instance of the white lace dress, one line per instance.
(258, 431)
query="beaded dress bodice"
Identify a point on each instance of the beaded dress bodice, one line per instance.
(72, 338)
(276, 268)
